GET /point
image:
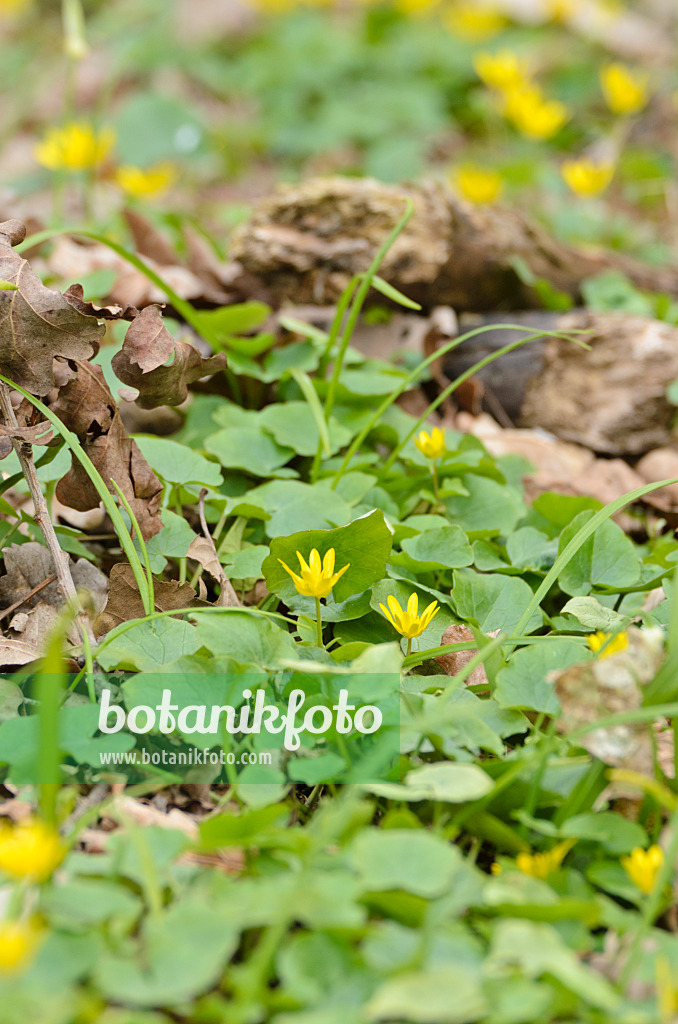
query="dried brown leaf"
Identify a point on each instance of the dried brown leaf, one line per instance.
(124, 600)
(456, 660)
(159, 366)
(88, 408)
(76, 297)
(37, 323)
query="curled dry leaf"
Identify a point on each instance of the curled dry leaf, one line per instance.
(37, 323)
(594, 689)
(88, 408)
(124, 600)
(76, 297)
(28, 565)
(159, 366)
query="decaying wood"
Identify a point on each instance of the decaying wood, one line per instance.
(306, 242)
(611, 398)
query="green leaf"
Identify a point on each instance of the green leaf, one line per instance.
(614, 832)
(181, 953)
(607, 558)
(294, 425)
(443, 994)
(178, 464)
(364, 545)
(248, 448)
(522, 683)
(446, 547)
(384, 858)
(491, 508)
(251, 640)
(448, 782)
(493, 602)
(149, 644)
(219, 325)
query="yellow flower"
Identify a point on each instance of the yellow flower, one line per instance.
(667, 992)
(534, 116)
(473, 22)
(562, 10)
(477, 184)
(541, 865)
(504, 70)
(145, 183)
(409, 623)
(597, 642)
(587, 178)
(624, 91)
(431, 445)
(30, 850)
(13, 7)
(415, 7)
(19, 941)
(75, 147)
(316, 580)
(643, 866)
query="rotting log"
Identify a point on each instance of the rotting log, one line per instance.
(305, 242)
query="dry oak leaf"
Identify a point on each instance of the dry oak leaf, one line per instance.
(29, 564)
(76, 297)
(159, 366)
(124, 600)
(37, 323)
(87, 407)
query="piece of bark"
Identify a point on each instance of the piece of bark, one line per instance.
(611, 398)
(305, 243)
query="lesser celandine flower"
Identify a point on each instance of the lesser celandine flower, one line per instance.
(431, 445)
(19, 942)
(625, 92)
(534, 116)
(541, 865)
(75, 147)
(409, 622)
(503, 70)
(477, 184)
(474, 21)
(586, 177)
(643, 866)
(604, 644)
(145, 183)
(13, 7)
(30, 850)
(316, 580)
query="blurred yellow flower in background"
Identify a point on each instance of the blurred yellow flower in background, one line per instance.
(431, 445)
(474, 22)
(586, 177)
(145, 183)
(625, 92)
(643, 866)
(597, 642)
(534, 116)
(415, 7)
(503, 70)
(541, 865)
(13, 7)
(30, 850)
(19, 942)
(77, 146)
(477, 184)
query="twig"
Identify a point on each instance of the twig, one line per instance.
(229, 598)
(31, 593)
(41, 515)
